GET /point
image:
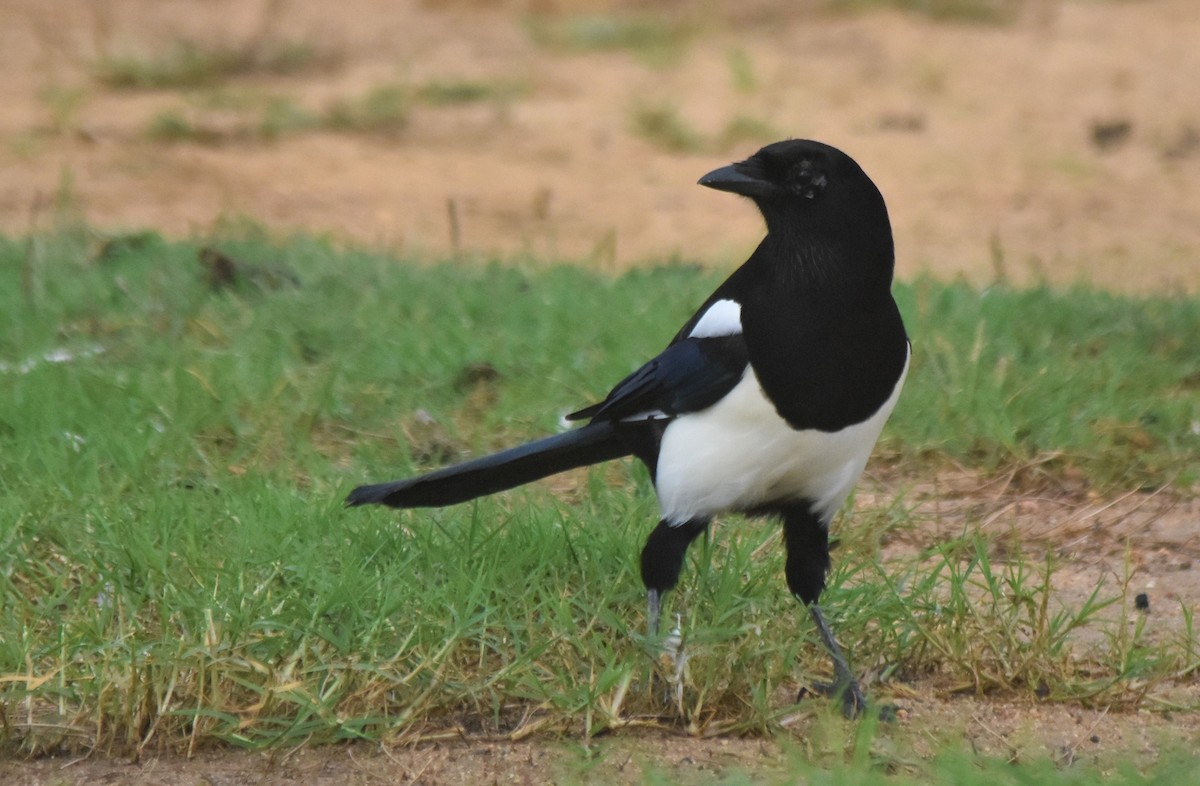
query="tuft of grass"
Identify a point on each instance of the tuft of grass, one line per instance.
(182, 65)
(869, 760)
(177, 568)
(980, 11)
(663, 126)
(172, 125)
(383, 109)
(657, 40)
(64, 105)
(185, 64)
(229, 115)
(741, 70)
(994, 625)
(746, 129)
(282, 116)
(1079, 379)
(445, 93)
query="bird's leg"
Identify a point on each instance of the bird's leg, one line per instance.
(662, 561)
(807, 539)
(844, 684)
(653, 609)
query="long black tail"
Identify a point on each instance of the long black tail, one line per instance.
(590, 444)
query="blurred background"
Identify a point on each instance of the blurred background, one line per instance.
(1031, 140)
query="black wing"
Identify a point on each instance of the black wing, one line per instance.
(691, 374)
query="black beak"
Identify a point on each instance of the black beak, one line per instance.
(737, 180)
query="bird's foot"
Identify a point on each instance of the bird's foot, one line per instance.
(669, 673)
(854, 701)
(674, 665)
(844, 685)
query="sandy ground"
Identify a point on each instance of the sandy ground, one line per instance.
(1016, 731)
(1062, 145)
(1070, 737)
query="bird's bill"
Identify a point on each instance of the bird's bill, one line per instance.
(735, 179)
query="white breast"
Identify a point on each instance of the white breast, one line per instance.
(739, 454)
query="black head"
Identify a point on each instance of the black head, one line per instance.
(807, 187)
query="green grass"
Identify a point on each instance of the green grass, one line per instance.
(176, 567)
(223, 115)
(656, 39)
(175, 125)
(383, 109)
(448, 92)
(866, 768)
(980, 11)
(741, 71)
(185, 64)
(1083, 379)
(663, 126)
(63, 104)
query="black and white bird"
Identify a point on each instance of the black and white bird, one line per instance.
(769, 399)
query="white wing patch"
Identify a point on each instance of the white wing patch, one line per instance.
(653, 414)
(722, 318)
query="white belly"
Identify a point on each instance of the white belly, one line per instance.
(739, 454)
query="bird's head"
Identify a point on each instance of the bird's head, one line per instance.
(804, 186)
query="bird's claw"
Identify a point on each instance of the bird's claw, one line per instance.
(854, 702)
(669, 675)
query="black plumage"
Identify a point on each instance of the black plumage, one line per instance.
(769, 399)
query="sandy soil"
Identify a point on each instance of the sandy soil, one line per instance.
(1002, 729)
(1017, 731)
(1062, 145)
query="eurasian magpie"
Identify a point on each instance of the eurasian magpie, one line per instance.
(767, 402)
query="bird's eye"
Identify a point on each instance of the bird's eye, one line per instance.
(807, 179)
(817, 185)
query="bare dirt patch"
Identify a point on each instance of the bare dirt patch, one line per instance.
(1064, 145)
(1017, 731)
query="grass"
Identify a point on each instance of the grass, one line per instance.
(448, 92)
(996, 626)
(664, 126)
(383, 109)
(386, 109)
(1082, 379)
(657, 40)
(280, 116)
(741, 70)
(981, 11)
(187, 65)
(177, 568)
(63, 104)
(865, 768)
